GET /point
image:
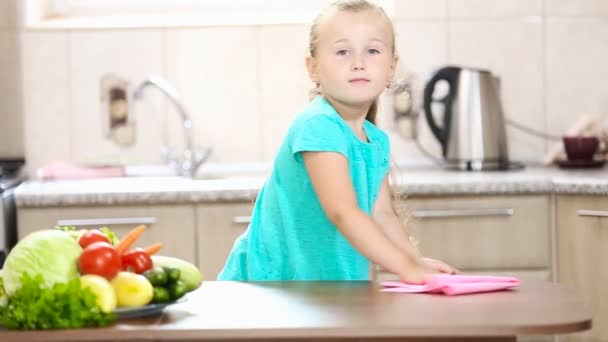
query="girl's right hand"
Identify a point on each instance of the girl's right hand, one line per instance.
(417, 274)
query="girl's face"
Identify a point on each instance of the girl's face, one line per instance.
(354, 58)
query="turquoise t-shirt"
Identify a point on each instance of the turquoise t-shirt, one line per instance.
(290, 237)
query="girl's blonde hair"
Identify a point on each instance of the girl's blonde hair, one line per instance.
(353, 6)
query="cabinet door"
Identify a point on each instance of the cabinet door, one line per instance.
(219, 224)
(483, 232)
(173, 225)
(582, 252)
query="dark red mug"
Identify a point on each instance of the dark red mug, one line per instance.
(580, 147)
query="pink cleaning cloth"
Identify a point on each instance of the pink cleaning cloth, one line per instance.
(67, 170)
(454, 284)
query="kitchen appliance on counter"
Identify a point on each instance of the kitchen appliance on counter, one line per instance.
(10, 177)
(472, 132)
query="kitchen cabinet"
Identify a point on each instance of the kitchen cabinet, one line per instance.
(582, 238)
(484, 234)
(173, 225)
(504, 235)
(218, 226)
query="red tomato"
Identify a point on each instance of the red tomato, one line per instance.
(136, 261)
(92, 236)
(100, 258)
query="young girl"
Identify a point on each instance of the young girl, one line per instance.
(325, 212)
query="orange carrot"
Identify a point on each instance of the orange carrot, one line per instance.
(153, 249)
(129, 239)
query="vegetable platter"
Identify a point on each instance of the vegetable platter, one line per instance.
(65, 278)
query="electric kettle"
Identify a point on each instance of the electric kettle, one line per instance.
(472, 132)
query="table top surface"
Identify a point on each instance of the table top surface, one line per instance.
(235, 310)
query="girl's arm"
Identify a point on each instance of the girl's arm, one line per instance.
(385, 216)
(331, 180)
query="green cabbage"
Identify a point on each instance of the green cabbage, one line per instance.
(53, 254)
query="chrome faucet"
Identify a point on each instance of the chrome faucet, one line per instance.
(192, 159)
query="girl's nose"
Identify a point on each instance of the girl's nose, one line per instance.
(358, 63)
(358, 66)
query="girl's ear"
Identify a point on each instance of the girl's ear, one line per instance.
(394, 65)
(311, 65)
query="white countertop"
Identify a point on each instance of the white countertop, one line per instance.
(411, 179)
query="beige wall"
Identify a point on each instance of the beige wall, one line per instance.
(11, 125)
(243, 85)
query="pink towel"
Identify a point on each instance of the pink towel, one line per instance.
(68, 170)
(454, 284)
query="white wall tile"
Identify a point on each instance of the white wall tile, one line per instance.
(494, 8)
(422, 47)
(46, 97)
(284, 81)
(8, 13)
(11, 128)
(243, 85)
(576, 68)
(576, 7)
(512, 49)
(132, 55)
(216, 71)
(420, 9)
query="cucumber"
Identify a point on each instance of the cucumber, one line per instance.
(190, 274)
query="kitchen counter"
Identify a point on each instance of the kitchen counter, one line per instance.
(415, 181)
(344, 311)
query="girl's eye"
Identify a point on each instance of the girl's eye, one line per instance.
(373, 51)
(341, 52)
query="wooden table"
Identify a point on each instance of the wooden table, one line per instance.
(340, 311)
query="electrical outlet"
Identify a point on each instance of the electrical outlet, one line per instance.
(117, 121)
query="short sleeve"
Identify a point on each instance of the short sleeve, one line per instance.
(319, 133)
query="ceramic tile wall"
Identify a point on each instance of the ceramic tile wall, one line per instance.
(8, 13)
(132, 55)
(217, 72)
(576, 70)
(494, 9)
(46, 86)
(283, 81)
(569, 8)
(243, 85)
(11, 120)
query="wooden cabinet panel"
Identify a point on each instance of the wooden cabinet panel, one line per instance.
(219, 224)
(171, 224)
(582, 251)
(483, 232)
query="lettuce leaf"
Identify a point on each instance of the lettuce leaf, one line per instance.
(52, 254)
(62, 306)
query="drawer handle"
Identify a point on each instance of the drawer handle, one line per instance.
(462, 213)
(241, 219)
(592, 213)
(112, 221)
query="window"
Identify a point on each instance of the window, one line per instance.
(132, 13)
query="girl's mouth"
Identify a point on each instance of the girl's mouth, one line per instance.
(358, 80)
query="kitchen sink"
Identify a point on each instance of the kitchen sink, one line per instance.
(207, 171)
